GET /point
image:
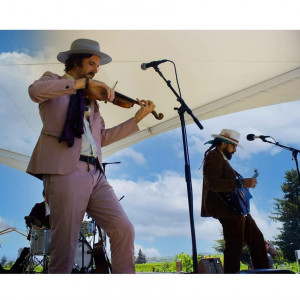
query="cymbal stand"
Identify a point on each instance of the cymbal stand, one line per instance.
(81, 240)
(102, 240)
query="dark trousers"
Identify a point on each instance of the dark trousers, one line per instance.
(237, 231)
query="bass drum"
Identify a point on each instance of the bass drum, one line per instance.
(83, 259)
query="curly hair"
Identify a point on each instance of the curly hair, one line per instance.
(75, 60)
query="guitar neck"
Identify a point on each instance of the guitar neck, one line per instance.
(255, 173)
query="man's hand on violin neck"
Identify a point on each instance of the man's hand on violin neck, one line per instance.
(147, 107)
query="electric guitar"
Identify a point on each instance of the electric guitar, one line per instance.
(239, 200)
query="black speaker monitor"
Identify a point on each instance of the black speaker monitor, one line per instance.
(210, 266)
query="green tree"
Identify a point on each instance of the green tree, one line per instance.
(245, 255)
(287, 211)
(186, 261)
(219, 245)
(3, 260)
(141, 259)
(9, 264)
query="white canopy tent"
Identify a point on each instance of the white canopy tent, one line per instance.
(219, 72)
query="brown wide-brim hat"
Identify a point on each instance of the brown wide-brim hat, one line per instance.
(85, 46)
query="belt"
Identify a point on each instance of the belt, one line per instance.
(89, 159)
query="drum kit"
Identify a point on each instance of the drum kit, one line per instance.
(85, 261)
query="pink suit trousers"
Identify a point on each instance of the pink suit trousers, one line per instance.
(70, 196)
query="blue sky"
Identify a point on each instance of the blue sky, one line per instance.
(27, 41)
(151, 175)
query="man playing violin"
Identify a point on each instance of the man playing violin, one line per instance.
(68, 157)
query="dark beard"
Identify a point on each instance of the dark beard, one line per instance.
(227, 154)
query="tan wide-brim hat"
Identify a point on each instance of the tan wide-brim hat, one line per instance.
(229, 135)
(85, 46)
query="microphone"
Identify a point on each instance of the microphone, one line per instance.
(155, 63)
(252, 137)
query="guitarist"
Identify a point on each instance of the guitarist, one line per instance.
(218, 177)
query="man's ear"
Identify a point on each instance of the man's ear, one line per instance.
(223, 145)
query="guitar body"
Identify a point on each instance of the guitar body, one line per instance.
(239, 200)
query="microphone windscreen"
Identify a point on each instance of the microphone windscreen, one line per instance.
(250, 137)
(143, 66)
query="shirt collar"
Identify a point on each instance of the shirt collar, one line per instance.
(69, 76)
(225, 158)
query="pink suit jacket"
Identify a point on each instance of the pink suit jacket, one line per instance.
(52, 93)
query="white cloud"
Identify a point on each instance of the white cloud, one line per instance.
(208, 229)
(3, 224)
(137, 157)
(160, 209)
(17, 72)
(268, 227)
(10, 58)
(280, 121)
(149, 252)
(18, 114)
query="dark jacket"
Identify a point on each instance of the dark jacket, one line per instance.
(218, 176)
(37, 217)
(39, 212)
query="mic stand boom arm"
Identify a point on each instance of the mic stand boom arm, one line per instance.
(294, 154)
(181, 110)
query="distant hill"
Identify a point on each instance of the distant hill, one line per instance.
(168, 258)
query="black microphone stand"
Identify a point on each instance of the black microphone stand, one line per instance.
(294, 152)
(181, 110)
(112, 163)
(104, 165)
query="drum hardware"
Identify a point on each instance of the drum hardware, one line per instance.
(39, 246)
(87, 254)
(32, 262)
(83, 257)
(88, 228)
(83, 260)
(103, 265)
(40, 241)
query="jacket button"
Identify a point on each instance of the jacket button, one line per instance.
(67, 86)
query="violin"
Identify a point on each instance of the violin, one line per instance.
(120, 100)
